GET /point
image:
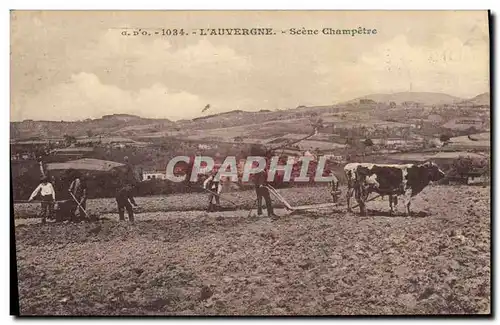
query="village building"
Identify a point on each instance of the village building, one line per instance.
(465, 123)
(149, 175)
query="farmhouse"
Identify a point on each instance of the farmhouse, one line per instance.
(23, 156)
(336, 158)
(435, 118)
(465, 123)
(203, 146)
(148, 175)
(395, 141)
(72, 152)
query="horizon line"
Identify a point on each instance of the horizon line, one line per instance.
(253, 111)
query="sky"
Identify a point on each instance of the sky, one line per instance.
(69, 65)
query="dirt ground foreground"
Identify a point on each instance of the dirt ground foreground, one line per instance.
(226, 263)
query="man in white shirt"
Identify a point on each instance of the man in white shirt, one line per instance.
(215, 188)
(48, 196)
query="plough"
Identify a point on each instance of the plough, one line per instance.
(219, 195)
(279, 197)
(309, 207)
(373, 198)
(299, 208)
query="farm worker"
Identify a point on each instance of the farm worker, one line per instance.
(260, 181)
(215, 188)
(48, 195)
(123, 198)
(78, 188)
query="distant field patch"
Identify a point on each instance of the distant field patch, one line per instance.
(480, 140)
(421, 157)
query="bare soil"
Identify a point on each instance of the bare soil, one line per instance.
(230, 200)
(329, 262)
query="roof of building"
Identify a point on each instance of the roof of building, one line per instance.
(73, 149)
(85, 164)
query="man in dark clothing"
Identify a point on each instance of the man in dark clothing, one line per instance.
(123, 197)
(78, 189)
(260, 181)
(262, 191)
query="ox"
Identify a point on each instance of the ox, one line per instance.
(393, 180)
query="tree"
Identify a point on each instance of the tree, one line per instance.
(89, 133)
(472, 130)
(318, 124)
(368, 142)
(258, 150)
(444, 138)
(406, 133)
(69, 139)
(363, 131)
(467, 166)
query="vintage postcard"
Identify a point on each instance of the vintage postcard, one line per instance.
(251, 162)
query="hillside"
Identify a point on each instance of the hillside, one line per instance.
(299, 118)
(218, 115)
(482, 99)
(426, 98)
(108, 124)
(239, 118)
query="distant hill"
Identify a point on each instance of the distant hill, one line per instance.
(426, 98)
(126, 125)
(121, 117)
(230, 119)
(482, 99)
(224, 114)
(108, 124)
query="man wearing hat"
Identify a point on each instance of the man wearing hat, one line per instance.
(124, 198)
(78, 189)
(48, 197)
(214, 186)
(260, 181)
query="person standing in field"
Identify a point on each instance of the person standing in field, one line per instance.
(48, 197)
(215, 188)
(78, 188)
(260, 181)
(124, 200)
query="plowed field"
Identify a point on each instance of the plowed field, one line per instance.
(228, 263)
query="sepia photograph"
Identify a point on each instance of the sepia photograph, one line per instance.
(251, 162)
